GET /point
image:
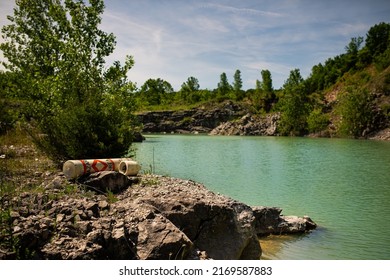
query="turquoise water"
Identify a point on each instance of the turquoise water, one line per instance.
(342, 184)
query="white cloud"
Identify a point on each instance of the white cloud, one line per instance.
(177, 39)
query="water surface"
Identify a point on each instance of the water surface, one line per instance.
(342, 184)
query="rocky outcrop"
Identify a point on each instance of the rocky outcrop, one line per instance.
(198, 120)
(381, 135)
(155, 218)
(158, 218)
(250, 125)
(270, 221)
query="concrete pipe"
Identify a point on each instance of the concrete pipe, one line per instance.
(129, 168)
(75, 168)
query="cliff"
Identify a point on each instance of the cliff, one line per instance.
(199, 120)
(226, 118)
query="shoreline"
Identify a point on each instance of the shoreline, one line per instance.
(65, 221)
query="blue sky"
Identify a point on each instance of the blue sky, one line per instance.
(176, 39)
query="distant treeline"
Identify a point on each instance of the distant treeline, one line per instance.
(359, 54)
(58, 88)
(300, 100)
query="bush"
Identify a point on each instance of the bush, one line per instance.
(355, 109)
(317, 121)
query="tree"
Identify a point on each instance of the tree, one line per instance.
(354, 45)
(156, 92)
(266, 85)
(268, 95)
(352, 49)
(317, 121)
(192, 84)
(189, 91)
(237, 86)
(294, 106)
(378, 39)
(58, 52)
(355, 109)
(224, 87)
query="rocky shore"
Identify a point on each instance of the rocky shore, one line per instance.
(143, 217)
(198, 120)
(250, 125)
(231, 118)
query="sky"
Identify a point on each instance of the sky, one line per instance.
(176, 39)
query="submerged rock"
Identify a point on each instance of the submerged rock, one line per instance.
(270, 221)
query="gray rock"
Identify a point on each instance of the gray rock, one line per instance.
(199, 120)
(105, 181)
(249, 125)
(270, 221)
(158, 218)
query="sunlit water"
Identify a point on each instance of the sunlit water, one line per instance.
(343, 185)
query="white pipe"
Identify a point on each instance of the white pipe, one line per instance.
(75, 168)
(129, 168)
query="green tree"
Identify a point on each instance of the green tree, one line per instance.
(352, 49)
(355, 111)
(224, 88)
(294, 106)
(156, 92)
(377, 39)
(237, 86)
(354, 45)
(8, 114)
(189, 92)
(58, 53)
(264, 95)
(266, 85)
(268, 95)
(317, 121)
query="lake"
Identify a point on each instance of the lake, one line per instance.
(342, 184)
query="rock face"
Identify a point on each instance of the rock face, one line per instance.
(250, 125)
(156, 218)
(199, 120)
(222, 227)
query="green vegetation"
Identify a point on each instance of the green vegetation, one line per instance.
(349, 92)
(58, 89)
(71, 105)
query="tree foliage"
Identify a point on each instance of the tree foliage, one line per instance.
(294, 105)
(189, 91)
(156, 92)
(355, 110)
(237, 86)
(224, 87)
(58, 52)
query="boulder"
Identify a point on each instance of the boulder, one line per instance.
(249, 125)
(222, 227)
(270, 221)
(105, 181)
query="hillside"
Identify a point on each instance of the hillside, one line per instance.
(377, 85)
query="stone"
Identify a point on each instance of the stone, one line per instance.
(270, 221)
(222, 227)
(106, 181)
(158, 218)
(249, 125)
